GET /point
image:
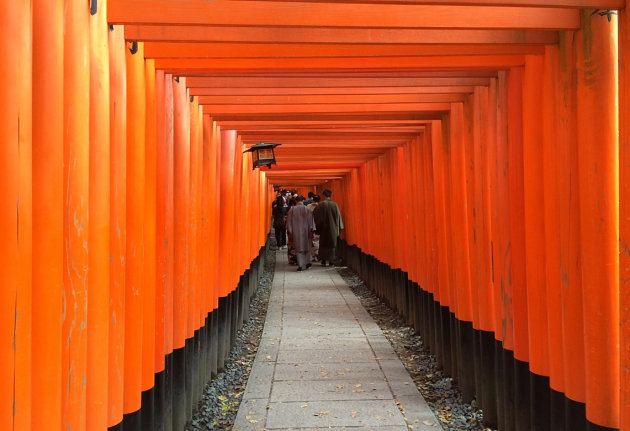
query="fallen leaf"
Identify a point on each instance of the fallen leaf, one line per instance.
(429, 423)
(253, 421)
(353, 414)
(358, 385)
(268, 357)
(324, 412)
(304, 406)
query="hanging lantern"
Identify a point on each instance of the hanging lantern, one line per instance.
(262, 154)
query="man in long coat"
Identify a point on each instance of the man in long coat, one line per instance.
(300, 226)
(329, 225)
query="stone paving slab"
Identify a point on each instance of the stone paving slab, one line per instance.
(323, 363)
(296, 390)
(337, 414)
(326, 371)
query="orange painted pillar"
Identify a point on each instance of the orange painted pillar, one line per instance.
(534, 211)
(597, 121)
(118, 222)
(149, 232)
(76, 228)
(624, 211)
(181, 193)
(551, 177)
(238, 195)
(15, 215)
(181, 217)
(518, 303)
(194, 226)
(169, 221)
(206, 228)
(134, 262)
(210, 188)
(460, 259)
(226, 234)
(430, 223)
(569, 221)
(437, 161)
(99, 228)
(500, 216)
(47, 212)
(162, 187)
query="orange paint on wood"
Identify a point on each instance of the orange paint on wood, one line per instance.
(460, 259)
(551, 177)
(569, 221)
(162, 200)
(15, 215)
(99, 226)
(296, 34)
(598, 166)
(226, 221)
(47, 213)
(534, 211)
(76, 202)
(149, 234)
(305, 14)
(118, 222)
(134, 261)
(301, 50)
(624, 182)
(181, 193)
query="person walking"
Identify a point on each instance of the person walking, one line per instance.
(329, 225)
(300, 227)
(315, 247)
(279, 224)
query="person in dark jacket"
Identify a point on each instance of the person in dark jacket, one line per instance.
(279, 223)
(329, 225)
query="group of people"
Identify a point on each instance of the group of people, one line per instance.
(312, 226)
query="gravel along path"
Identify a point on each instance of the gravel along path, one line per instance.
(441, 394)
(222, 395)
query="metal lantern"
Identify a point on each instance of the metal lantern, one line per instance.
(262, 154)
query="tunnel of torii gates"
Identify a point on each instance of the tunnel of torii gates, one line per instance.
(477, 150)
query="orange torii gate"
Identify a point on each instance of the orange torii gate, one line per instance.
(492, 132)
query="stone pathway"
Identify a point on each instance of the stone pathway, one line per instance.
(323, 363)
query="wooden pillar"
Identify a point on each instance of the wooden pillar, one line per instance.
(99, 227)
(47, 211)
(459, 219)
(181, 194)
(149, 240)
(624, 211)
(226, 234)
(569, 220)
(597, 120)
(76, 228)
(551, 176)
(15, 215)
(440, 213)
(118, 222)
(534, 212)
(134, 277)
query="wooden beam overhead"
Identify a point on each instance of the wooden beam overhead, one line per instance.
(597, 4)
(298, 91)
(289, 35)
(358, 15)
(326, 108)
(207, 66)
(330, 99)
(330, 82)
(159, 50)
